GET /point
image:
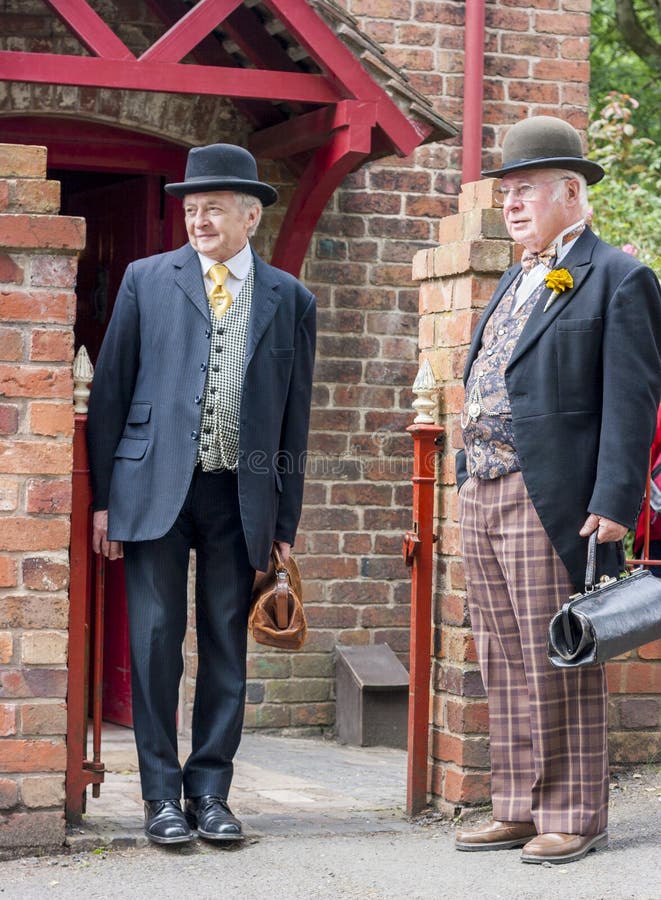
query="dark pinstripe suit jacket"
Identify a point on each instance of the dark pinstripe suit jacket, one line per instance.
(584, 383)
(144, 415)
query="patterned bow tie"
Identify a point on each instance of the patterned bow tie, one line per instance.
(546, 257)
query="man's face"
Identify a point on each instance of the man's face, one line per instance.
(532, 217)
(217, 223)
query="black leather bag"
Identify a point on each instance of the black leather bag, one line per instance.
(611, 617)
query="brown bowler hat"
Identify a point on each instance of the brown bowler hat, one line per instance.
(222, 167)
(545, 142)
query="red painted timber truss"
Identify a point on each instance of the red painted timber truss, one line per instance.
(337, 115)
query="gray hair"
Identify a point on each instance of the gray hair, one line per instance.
(248, 202)
(584, 203)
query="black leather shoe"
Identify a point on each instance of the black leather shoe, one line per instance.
(165, 822)
(213, 818)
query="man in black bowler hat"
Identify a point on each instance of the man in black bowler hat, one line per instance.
(562, 385)
(197, 432)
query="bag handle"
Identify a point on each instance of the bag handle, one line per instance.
(591, 568)
(281, 589)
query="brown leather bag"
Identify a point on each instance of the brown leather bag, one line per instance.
(277, 618)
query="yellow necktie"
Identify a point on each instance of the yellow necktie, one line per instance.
(220, 298)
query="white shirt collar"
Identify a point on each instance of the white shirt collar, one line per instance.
(563, 249)
(239, 264)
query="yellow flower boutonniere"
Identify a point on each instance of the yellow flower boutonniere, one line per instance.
(558, 280)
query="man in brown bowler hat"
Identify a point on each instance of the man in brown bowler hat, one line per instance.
(562, 381)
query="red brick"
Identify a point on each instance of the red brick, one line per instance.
(52, 345)
(373, 202)
(650, 651)
(38, 306)
(37, 232)
(36, 381)
(42, 791)
(31, 611)
(467, 717)
(11, 344)
(8, 571)
(329, 567)
(331, 617)
(8, 793)
(385, 617)
(22, 161)
(561, 70)
(34, 196)
(7, 719)
(43, 718)
(10, 271)
(313, 714)
(562, 24)
(470, 752)
(39, 831)
(33, 756)
(49, 496)
(54, 271)
(8, 418)
(53, 419)
(640, 712)
(382, 9)
(6, 647)
(42, 573)
(33, 534)
(467, 787)
(35, 457)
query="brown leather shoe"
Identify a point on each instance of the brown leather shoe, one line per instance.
(495, 836)
(557, 848)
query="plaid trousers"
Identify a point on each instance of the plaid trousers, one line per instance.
(547, 726)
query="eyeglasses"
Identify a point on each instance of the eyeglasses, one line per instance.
(523, 193)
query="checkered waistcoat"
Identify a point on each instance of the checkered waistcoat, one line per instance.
(219, 426)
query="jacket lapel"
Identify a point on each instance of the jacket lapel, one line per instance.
(578, 264)
(188, 276)
(264, 304)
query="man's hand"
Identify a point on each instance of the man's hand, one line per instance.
(607, 530)
(100, 542)
(284, 548)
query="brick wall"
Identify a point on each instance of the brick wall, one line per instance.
(37, 308)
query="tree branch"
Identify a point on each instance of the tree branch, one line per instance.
(642, 43)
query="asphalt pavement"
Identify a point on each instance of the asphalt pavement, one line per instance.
(324, 820)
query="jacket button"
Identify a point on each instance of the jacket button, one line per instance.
(198, 399)
(203, 367)
(207, 333)
(194, 435)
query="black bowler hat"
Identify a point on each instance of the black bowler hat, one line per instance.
(545, 142)
(222, 167)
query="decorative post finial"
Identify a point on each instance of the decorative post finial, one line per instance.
(424, 386)
(83, 372)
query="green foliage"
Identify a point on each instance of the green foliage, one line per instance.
(614, 64)
(626, 205)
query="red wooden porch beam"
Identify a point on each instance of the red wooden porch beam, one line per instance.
(51, 68)
(345, 71)
(308, 131)
(329, 165)
(90, 29)
(190, 30)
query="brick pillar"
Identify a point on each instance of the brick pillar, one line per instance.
(38, 264)
(457, 279)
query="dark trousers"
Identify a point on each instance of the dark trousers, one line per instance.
(156, 586)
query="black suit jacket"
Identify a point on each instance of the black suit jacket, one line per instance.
(584, 383)
(145, 404)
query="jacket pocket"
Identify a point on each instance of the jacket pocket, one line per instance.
(282, 352)
(578, 355)
(139, 413)
(131, 448)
